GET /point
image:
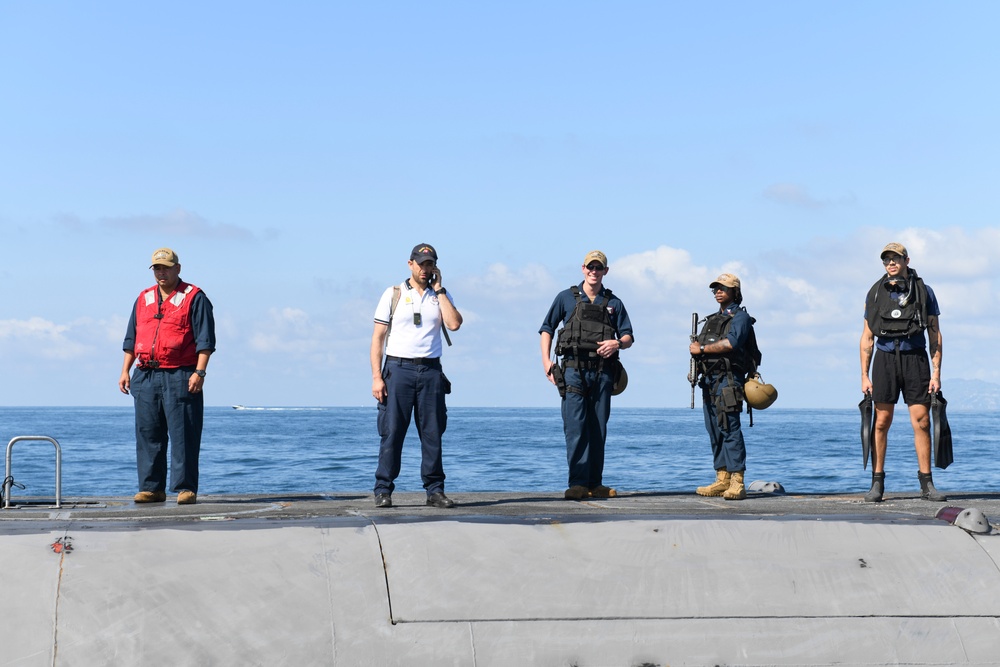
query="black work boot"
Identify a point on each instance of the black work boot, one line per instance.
(927, 490)
(878, 488)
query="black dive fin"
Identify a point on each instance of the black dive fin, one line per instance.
(943, 453)
(867, 408)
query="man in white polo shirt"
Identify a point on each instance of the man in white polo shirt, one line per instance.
(408, 326)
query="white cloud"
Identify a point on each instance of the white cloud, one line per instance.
(42, 338)
(295, 333)
(952, 252)
(500, 282)
(664, 267)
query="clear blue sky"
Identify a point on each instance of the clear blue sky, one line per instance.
(292, 153)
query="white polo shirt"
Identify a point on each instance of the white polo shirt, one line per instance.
(406, 339)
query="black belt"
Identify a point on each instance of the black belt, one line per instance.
(419, 361)
(573, 362)
(157, 367)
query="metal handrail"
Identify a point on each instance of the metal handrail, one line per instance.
(8, 482)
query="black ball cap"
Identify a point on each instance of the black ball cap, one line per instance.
(423, 252)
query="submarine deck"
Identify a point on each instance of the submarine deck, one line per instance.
(501, 579)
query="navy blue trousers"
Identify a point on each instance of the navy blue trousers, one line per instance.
(166, 411)
(585, 424)
(417, 390)
(729, 451)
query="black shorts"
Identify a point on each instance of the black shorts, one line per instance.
(906, 372)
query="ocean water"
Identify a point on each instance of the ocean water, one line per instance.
(329, 450)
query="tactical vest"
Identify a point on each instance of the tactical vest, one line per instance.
(740, 362)
(588, 325)
(892, 318)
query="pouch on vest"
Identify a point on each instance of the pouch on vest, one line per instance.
(896, 323)
(560, 378)
(732, 398)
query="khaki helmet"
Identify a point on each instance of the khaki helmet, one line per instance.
(759, 395)
(621, 381)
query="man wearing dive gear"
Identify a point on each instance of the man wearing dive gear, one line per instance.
(899, 309)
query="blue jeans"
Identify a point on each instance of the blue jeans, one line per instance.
(166, 411)
(417, 390)
(585, 424)
(728, 448)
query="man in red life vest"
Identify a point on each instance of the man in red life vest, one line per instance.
(171, 335)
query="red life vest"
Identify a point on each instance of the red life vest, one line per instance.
(169, 339)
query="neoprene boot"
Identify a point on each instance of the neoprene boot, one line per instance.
(927, 490)
(718, 487)
(736, 490)
(878, 488)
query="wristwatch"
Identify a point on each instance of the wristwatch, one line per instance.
(200, 374)
(440, 291)
(703, 349)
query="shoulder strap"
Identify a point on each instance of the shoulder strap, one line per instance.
(392, 308)
(922, 298)
(444, 329)
(752, 349)
(396, 291)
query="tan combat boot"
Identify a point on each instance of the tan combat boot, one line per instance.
(736, 490)
(718, 487)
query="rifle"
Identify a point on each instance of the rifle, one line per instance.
(693, 373)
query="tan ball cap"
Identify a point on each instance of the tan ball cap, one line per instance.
(897, 248)
(726, 280)
(165, 257)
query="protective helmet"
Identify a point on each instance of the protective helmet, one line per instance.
(973, 520)
(759, 395)
(760, 486)
(621, 381)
